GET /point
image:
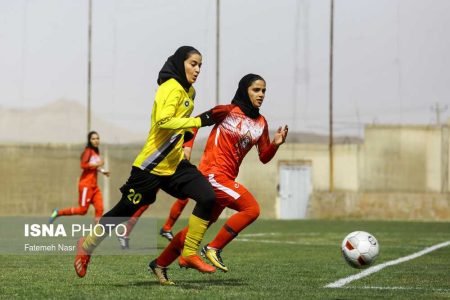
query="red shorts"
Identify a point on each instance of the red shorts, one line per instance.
(88, 194)
(229, 193)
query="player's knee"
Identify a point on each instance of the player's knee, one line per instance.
(253, 212)
(210, 199)
(83, 211)
(207, 202)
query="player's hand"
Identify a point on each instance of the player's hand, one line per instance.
(207, 119)
(187, 152)
(280, 135)
(97, 164)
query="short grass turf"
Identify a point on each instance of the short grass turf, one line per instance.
(270, 259)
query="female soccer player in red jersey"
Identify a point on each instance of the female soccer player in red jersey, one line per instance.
(239, 126)
(89, 192)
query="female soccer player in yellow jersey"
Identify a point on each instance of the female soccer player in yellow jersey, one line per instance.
(161, 163)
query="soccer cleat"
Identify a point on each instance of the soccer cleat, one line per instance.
(82, 259)
(166, 234)
(213, 255)
(160, 273)
(53, 216)
(124, 242)
(195, 262)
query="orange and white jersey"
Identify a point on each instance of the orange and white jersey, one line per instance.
(89, 175)
(231, 139)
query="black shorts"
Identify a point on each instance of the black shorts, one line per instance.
(142, 186)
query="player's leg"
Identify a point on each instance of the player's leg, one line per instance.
(84, 195)
(175, 212)
(86, 245)
(188, 182)
(97, 202)
(172, 251)
(125, 240)
(247, 211)
(140, 189)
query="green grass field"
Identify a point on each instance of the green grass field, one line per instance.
(271, 259)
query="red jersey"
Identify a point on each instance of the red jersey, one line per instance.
(232, 138)
(89, 175)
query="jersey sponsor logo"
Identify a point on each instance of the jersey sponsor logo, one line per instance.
(245, 140)
(186, 103)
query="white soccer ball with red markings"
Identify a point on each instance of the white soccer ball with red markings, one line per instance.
(360, 249)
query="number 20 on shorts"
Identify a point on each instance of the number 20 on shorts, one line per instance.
(134, 197)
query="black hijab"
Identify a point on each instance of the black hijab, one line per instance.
(174, 67)
(89, 144)
(242, 99)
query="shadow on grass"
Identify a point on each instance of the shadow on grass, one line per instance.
(187, 284)
(137, 249)
(200, 284)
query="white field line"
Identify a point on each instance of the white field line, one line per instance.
(270, 241)
(394, 288)
(341, 282)
(303, 243)
(278, 233)
(260, 234)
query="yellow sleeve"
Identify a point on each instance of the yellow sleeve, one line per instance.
(166, 119)
(179, 123)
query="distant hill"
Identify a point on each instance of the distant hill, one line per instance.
(62, 121)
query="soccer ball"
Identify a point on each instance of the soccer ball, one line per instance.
(360, 249)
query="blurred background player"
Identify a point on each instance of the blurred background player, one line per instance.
(89, 192)
(161, 163)
(239, 127)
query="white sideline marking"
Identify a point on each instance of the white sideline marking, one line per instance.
(269, 241)
(260, 234)
(394, 288)
(341, 282)
(279, 233)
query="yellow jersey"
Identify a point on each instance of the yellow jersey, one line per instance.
(171, 112)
